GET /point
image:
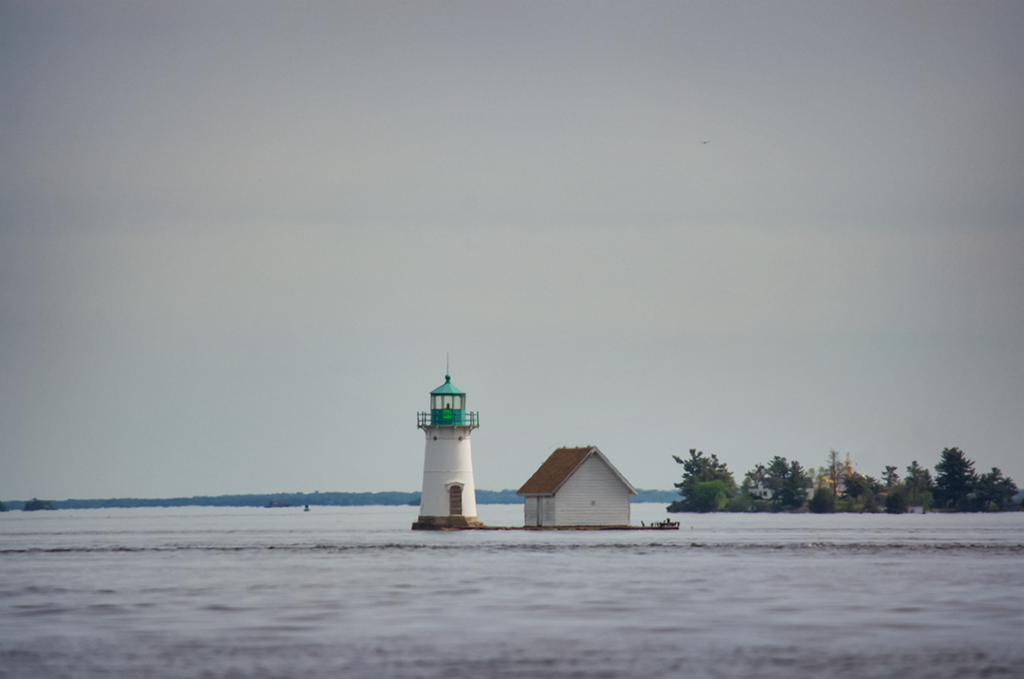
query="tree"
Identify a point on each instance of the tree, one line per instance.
(775, 476)
(994, 491)
(896, 501)
(787, 481)
(709, 496)
(823, 502)
(954, 480)
(890, 476)
(741, 503)
(834, 470)
(700, 469)
(855, 486)
(874, 485)
(918, 486)
(752, 478)
(794, 490)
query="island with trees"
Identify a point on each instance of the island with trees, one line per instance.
(782, 485)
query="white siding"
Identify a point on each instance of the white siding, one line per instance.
(530, 508)
(547, 511)
(593, 495)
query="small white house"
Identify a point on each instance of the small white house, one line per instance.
(761, 491)
(577, 487)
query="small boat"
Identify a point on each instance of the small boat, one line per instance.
(667, 524)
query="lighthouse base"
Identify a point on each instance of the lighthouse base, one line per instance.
(453, 522)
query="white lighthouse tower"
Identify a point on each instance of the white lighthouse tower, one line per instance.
(449, 496)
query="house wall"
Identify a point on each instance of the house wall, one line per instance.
(592, 496)
(761, 491)
(547, 511)
(530, 510)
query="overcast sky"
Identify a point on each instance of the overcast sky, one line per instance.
(237, 239)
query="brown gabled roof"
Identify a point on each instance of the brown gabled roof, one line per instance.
(554, 471)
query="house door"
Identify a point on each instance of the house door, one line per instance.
(455, 500)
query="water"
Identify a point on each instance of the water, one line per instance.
(352, 592)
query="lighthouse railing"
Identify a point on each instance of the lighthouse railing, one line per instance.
(455, 418)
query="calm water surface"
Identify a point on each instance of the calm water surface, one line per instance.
(352, 592)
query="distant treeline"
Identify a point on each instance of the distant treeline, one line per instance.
(781, 485)
(390, 498)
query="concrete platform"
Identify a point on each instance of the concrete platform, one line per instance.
(448, 523)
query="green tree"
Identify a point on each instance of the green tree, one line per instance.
(752, 478)
(890, 477)
(775, 478)
(918, 486)
(823, 502)
(700, 469)
(794, 489)
(896, 500)
(954, 480)
(741, 503)
(855, 486)
(874, 485)
(709, 496)
(994, 491)
(787, 481)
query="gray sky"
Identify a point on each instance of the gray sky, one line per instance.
(238, 238)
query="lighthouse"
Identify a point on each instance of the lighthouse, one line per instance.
(448, 499)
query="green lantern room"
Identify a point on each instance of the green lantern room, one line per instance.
(448, 407)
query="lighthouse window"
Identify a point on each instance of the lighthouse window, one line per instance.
(448, 402)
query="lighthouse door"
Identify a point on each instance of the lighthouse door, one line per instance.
(455, 500)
